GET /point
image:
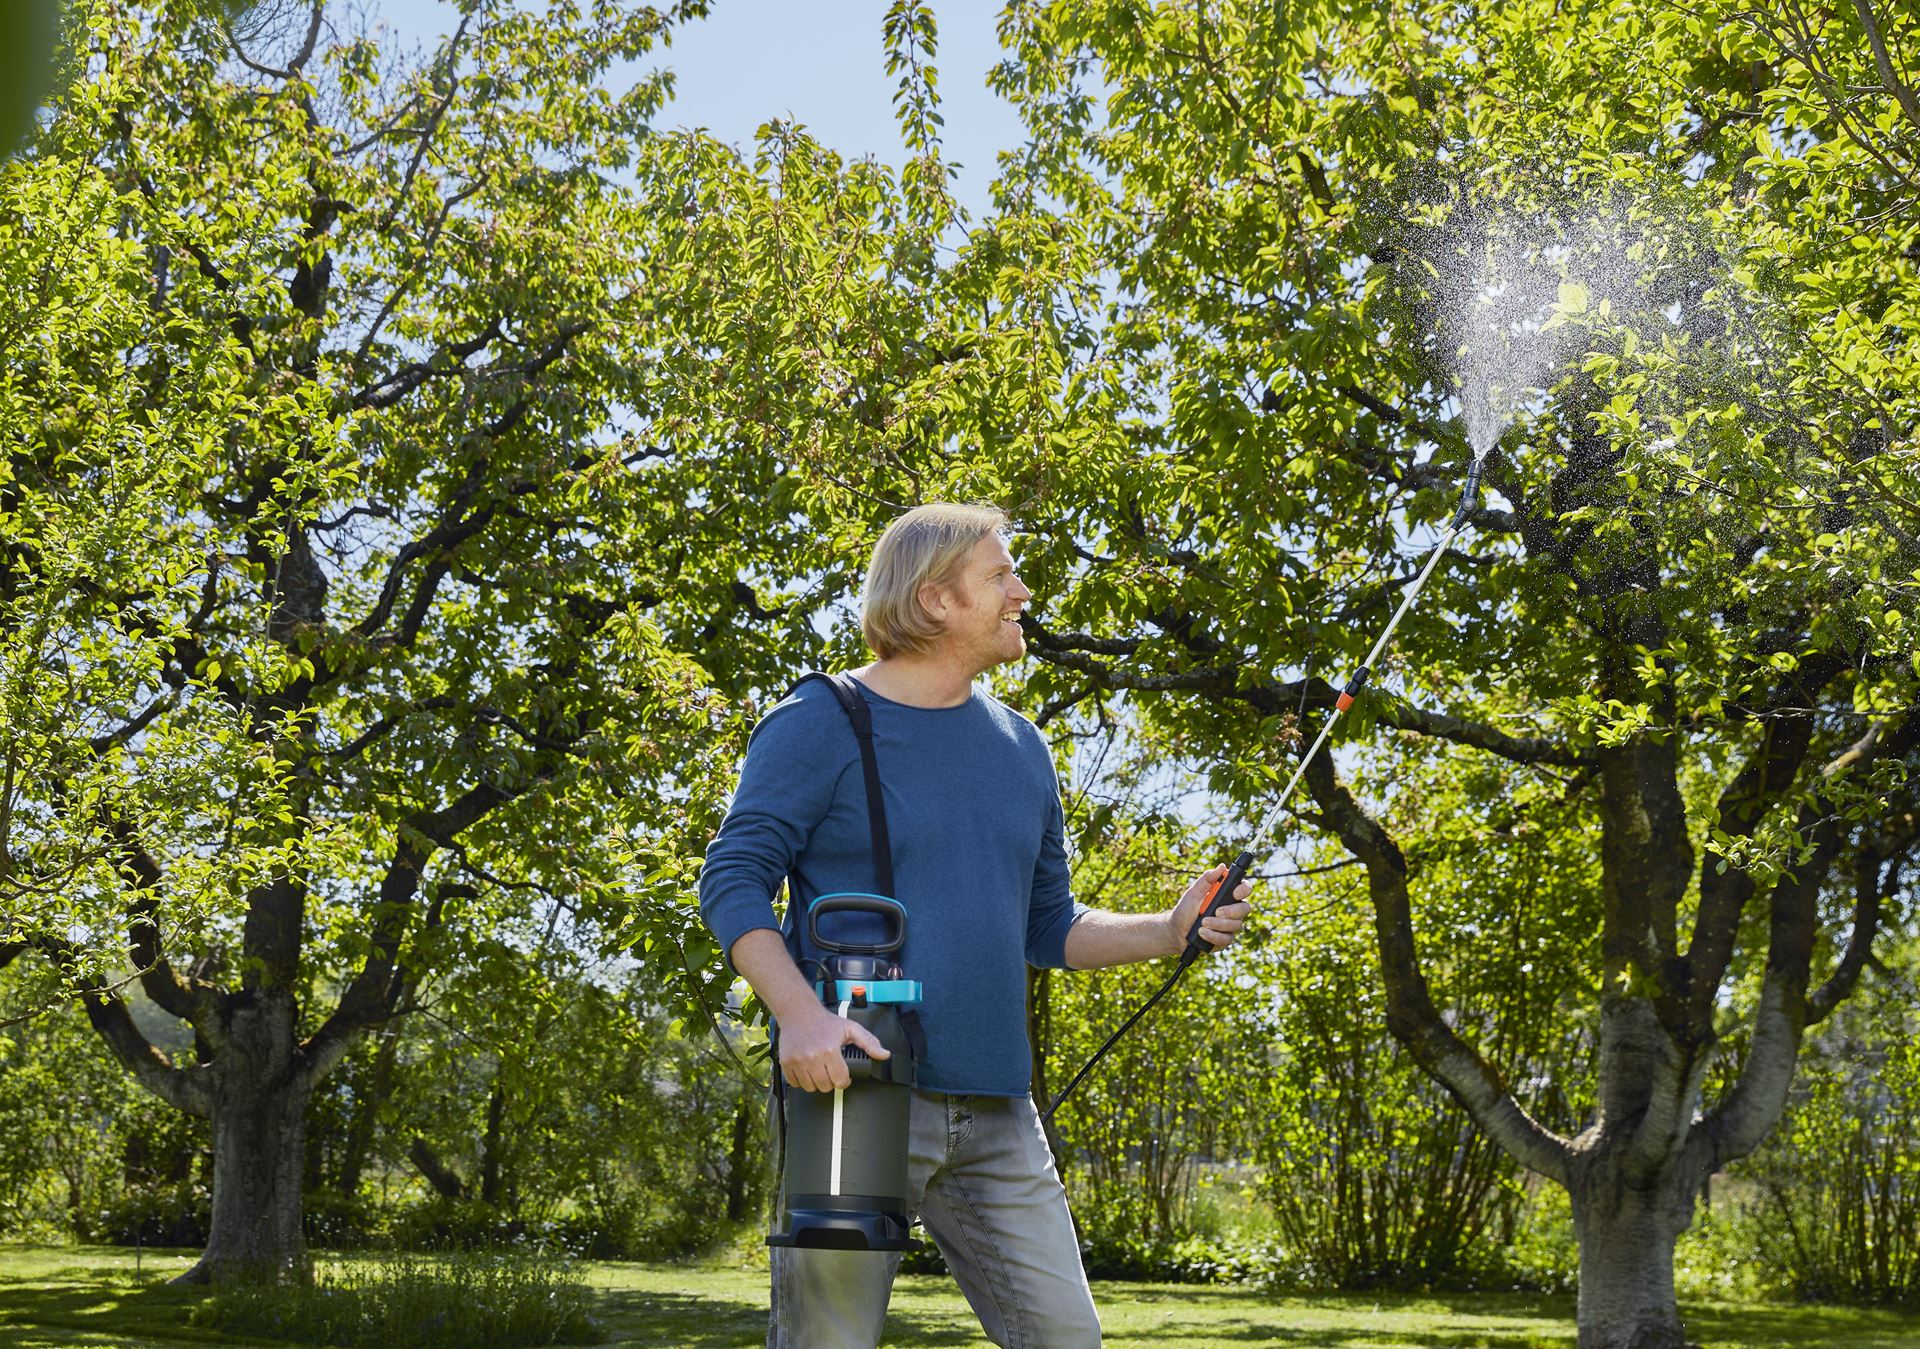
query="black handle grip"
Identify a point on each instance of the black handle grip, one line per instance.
(880, 904)
(1222, 893)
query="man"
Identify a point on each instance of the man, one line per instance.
(980, 864)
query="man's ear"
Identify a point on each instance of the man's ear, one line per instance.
(934, 601)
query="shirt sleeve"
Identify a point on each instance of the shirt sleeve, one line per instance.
(786, 788)
(1052, 909)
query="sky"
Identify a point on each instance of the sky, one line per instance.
(820, 62)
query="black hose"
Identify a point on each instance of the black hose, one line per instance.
(1185, 960)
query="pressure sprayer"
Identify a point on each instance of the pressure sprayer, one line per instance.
(1222, 891)
(843, 1155)
(844, 1171)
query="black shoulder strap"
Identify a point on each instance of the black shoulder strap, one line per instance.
(847, 689)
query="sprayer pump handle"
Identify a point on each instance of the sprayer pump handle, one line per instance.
(1221, 894)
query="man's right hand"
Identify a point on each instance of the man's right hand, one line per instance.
(810, 1035)
(810, 1048)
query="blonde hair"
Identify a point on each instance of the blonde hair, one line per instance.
(924, 546)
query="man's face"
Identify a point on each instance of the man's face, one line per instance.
(982, 603)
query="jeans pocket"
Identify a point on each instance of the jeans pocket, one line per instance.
(959, 1121)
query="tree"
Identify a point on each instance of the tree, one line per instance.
(348, 373)
(481, 567)
(1693, 582)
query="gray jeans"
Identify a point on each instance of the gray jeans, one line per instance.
(983, 1182)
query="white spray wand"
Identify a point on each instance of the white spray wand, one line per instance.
(1222, 891)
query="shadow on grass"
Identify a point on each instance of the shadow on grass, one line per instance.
(680, 1320)
(1323, 1337)
(1333, 1339)
(1827, 1326)
(701, 1321)
(116, 1309)
(917, 1329)
(1337, 1320)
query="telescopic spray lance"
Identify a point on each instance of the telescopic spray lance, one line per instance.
(1222, 891)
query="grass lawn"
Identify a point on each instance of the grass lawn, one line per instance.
(94, 1296)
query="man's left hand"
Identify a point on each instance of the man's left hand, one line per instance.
(1218, 928)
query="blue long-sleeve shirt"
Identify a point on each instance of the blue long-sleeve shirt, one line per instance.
(979, 855)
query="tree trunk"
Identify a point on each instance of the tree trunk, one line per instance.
(444, 1179)
(493, 1146)
(366, 1112)
(737, 1162)
(1626, 1240)
(259, 1130)
(1040, 1044)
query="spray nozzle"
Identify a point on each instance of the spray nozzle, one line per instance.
(1470, 494)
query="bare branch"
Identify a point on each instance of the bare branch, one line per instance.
(449, 360)
(120, 735)
(194, 1001)
(300, 59)
(1877, 866)
(1406, 716)
(1723, 894)
(454, 526)
(376, 989)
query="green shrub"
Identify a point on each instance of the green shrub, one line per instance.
(640, 1227)
(459, 1225)
(1187, 1260)
(1544, 1254)
(1723, 1255)
(1837, 1212)
(1156, 1260)
(468, 1301)
(332, 1221)
(176, 1213)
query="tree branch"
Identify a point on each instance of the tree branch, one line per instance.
(300, 59)
(1229, 682)
(1877, 864)
(194, 1001)
(186, 1089)
(370, 998)
(449, 360)
(1411, 1015)
(1723, 895)
(1909, 101)
(1874, 882)
(454, 526)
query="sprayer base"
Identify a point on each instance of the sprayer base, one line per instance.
(843, 1230)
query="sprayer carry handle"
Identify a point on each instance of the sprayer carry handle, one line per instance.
(891, 909)
(1221, 894)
